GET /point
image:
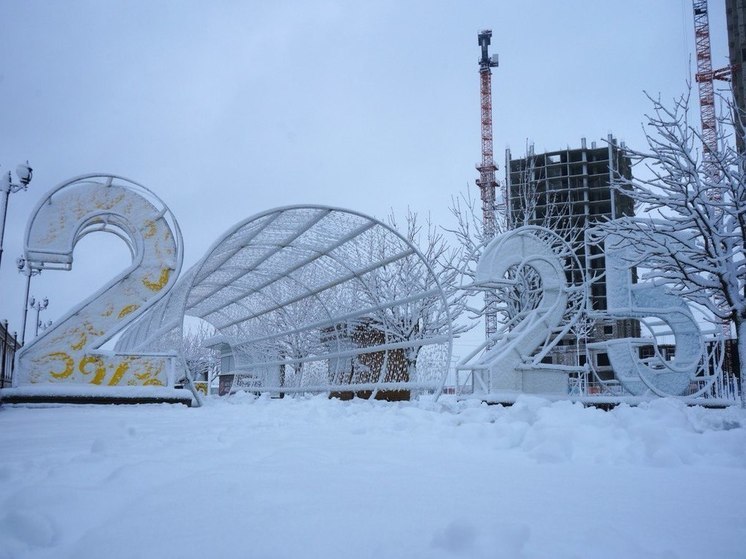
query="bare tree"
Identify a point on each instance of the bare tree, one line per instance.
(203, 363)
(469, 237)
(531, 201)
(406, 278)
(693, 234)
(296, 345)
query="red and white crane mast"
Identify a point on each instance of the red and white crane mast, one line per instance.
(486, 182)
(704, 78)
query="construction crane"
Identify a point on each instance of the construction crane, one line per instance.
(704, 77)
(486, 182)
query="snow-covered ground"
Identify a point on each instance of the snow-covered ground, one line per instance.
(310, 477)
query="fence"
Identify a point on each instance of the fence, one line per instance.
(8, 346)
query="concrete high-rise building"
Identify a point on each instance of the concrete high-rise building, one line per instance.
(569, 191)
(735, 13)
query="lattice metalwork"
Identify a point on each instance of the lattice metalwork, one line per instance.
(539, 284)
(69, 353)
(313, 298)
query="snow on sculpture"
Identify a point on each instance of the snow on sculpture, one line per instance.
(645, 300)
(68, 353)
(544, 297)
(313, 299)
(531, 262)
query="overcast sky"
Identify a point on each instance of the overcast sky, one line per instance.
(225, 109)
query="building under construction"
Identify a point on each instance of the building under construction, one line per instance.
(735, 12)
(569, 191)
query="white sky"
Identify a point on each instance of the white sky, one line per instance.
(225, 109)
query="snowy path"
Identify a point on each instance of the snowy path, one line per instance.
(318, 478)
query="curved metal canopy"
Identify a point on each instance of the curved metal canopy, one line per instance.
(313, 298)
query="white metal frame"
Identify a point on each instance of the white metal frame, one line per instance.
(69, 352)
(302, 272)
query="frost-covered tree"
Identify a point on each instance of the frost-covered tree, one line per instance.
(469, 237)
(296, 345)
(690, 231)
(203, 363)
(406, 279)
(532, 202)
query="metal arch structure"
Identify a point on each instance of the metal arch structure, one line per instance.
(313, 299)
(69, 354)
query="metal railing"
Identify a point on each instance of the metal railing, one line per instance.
(9, 344)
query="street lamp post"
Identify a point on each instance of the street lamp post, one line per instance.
(7, 187)
(27, 271)
(38, 305)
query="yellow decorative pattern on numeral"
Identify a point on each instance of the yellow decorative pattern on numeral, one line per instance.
(150, 229)
(162, 281)
(80, 344)
(70, 352)
(100, 368)
(127, 310)
(119, 373)
(148, 380)
(69, 364)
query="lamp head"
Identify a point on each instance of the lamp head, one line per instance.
(25, 173)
